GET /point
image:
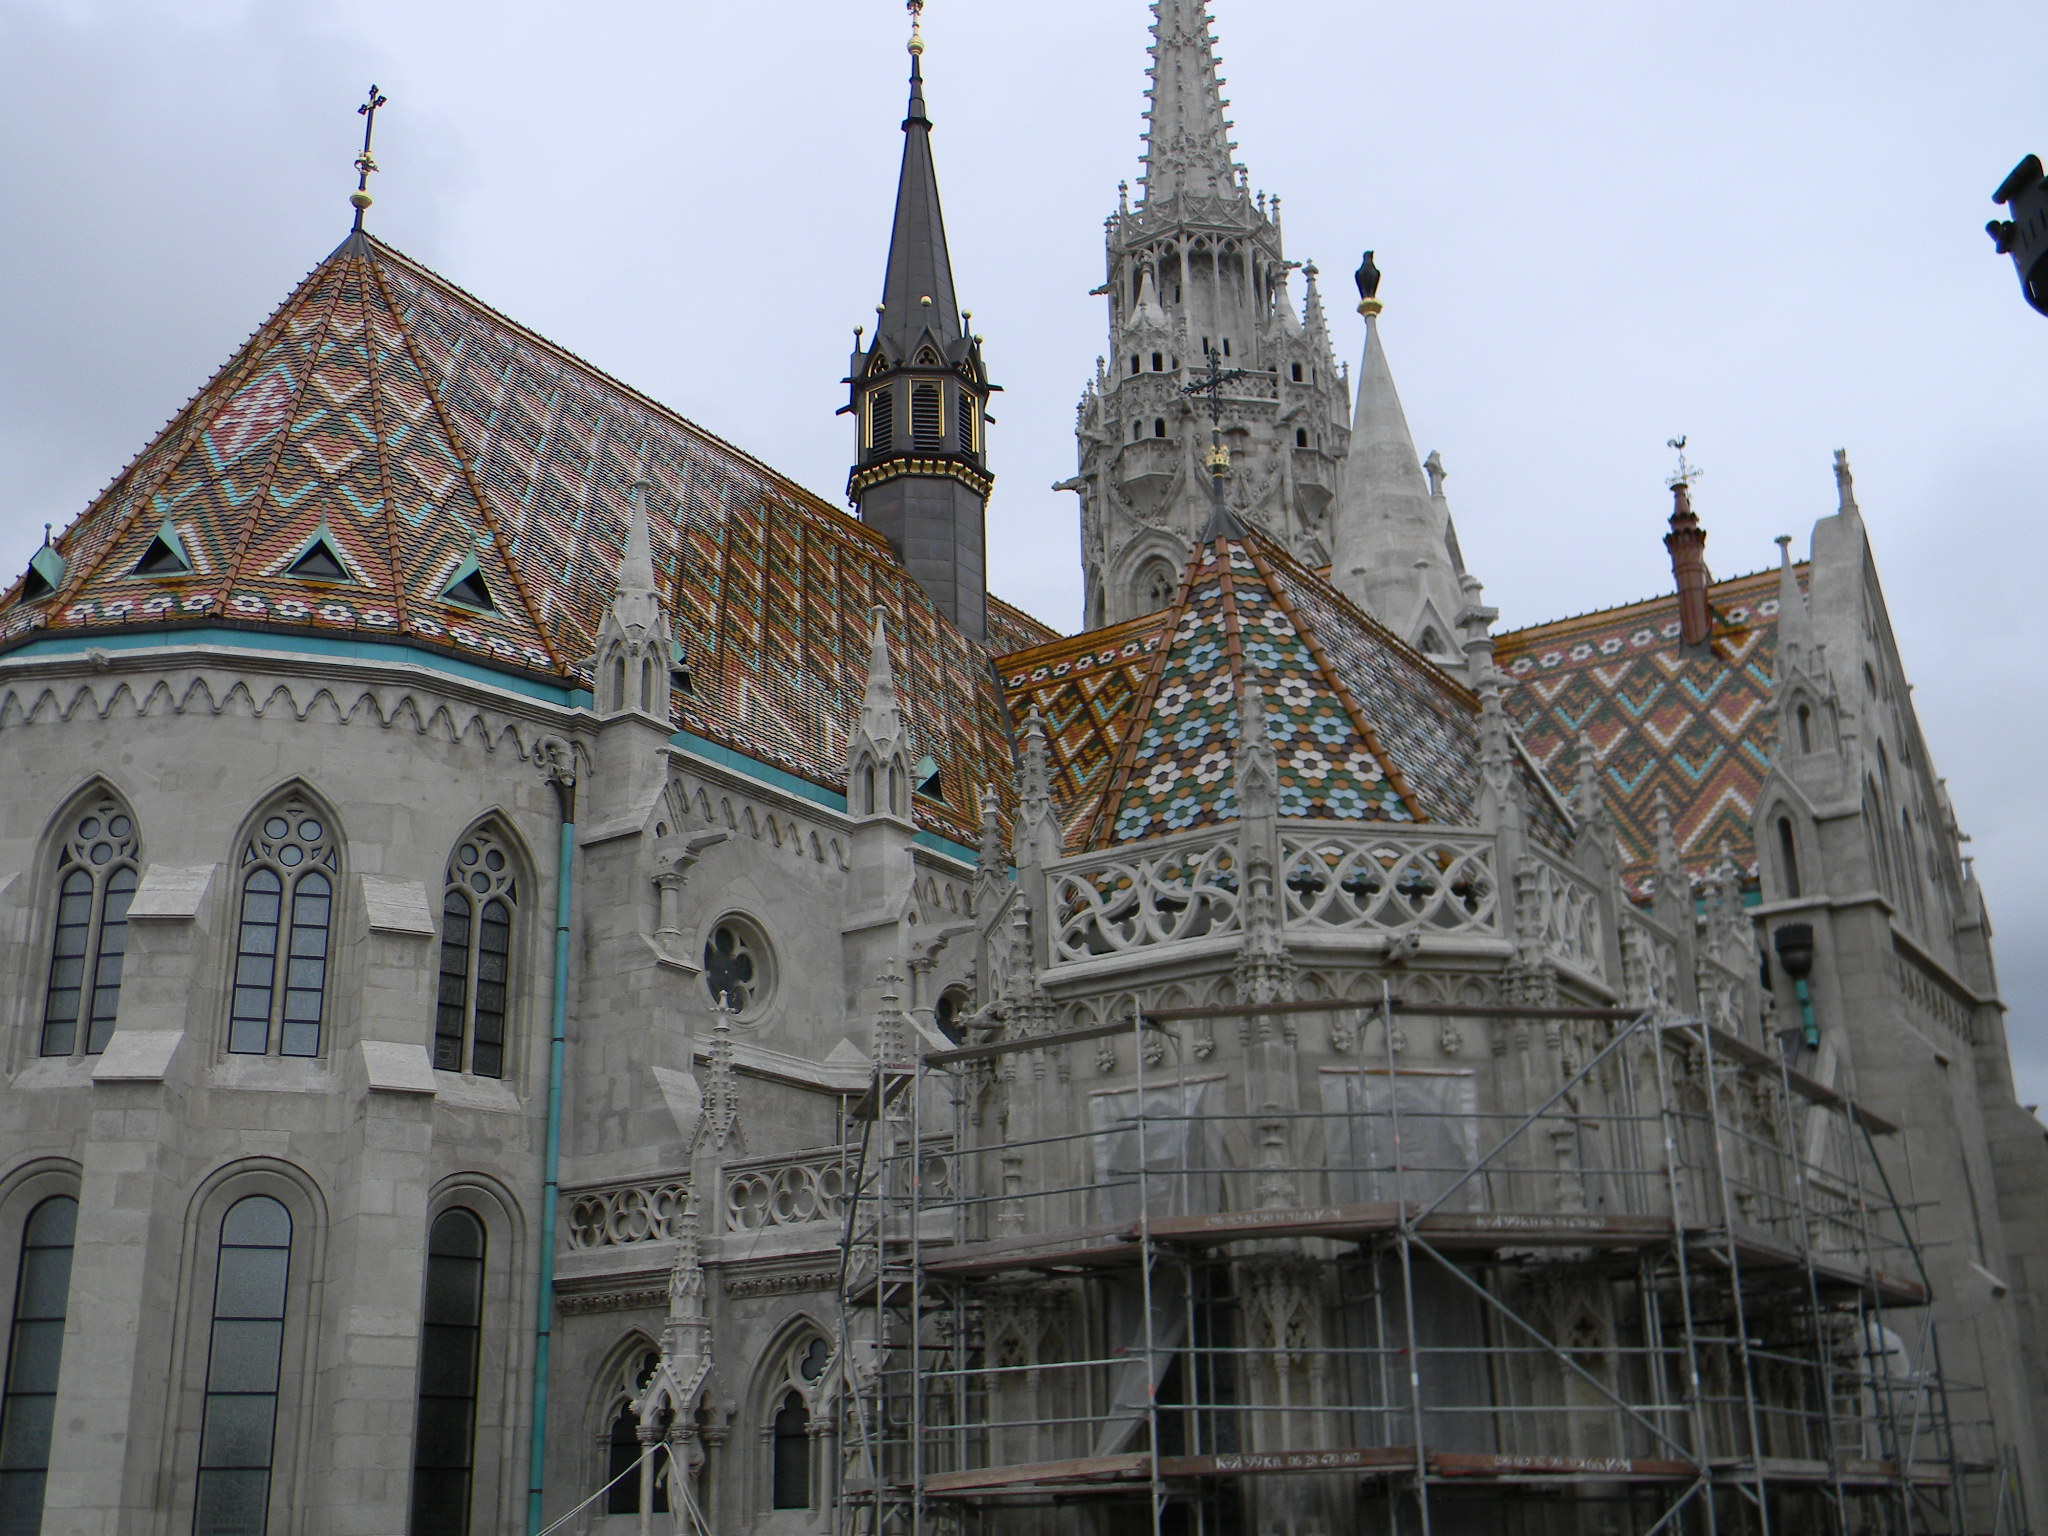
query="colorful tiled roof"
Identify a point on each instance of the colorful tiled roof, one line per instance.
(469, 479)
(1142, 719)
(1010, 628)
(1086, 690)
(1692, 727)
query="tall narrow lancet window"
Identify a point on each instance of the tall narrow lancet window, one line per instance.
(286, 912)
(1788, 856)
(96, 879)
(237, 1437)
(34, 1349)
(477, 907)
(792, 1454)
(444, 1440)
(623, 1447)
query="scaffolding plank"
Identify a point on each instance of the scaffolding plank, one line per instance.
(1497, 1229)
(1111, 1244)
(1135, 1466)
(1480, 1464)
(1294, 1221)
(1385, 1458)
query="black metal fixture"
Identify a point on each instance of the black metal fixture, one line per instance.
(1794, 944)
(2024, 236)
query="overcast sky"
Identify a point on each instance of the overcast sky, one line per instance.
(1601, 224)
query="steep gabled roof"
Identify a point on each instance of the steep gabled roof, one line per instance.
(1143, 719)
(1086, 689)
(1692, 727)
(441, 446)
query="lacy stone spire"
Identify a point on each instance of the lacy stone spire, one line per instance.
(919, 394)
(1396, 552)
(1198, 264)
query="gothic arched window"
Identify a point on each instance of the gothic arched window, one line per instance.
(1788, 856)
(289, 867)
(623, 1447)
(96, 879)
(237, 1441)
(792, 1472)
(1805, 718)
(1156, 586)
(790, 1483)
(451, 1332)
(35, 1346)
(478, 901)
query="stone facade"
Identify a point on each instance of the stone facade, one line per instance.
(557, 979)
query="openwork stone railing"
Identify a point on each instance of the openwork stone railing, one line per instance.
(648, 1212)
(786, 1192)
(1366, 880)
(1723, 992)
(1649, 965)
(1155, 895)
(1566, 915)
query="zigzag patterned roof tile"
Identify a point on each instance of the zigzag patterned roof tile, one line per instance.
(1695, 728)
(417, 430)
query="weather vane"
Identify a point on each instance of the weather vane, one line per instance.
(1687, 473)
(360, 198)
(916, 9)
(1218, 460)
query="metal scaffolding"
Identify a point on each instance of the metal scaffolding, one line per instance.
(1672, 1290)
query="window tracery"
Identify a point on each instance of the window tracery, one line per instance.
(286, 911)
(97, 873)
(738, 966)
(479, 901)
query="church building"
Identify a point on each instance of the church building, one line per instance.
(561, 981)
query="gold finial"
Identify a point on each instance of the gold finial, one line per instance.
(360, 199)
(916, 9)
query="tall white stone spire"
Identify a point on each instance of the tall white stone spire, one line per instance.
(1195, 268)
(1395, 552)
(1187, 140)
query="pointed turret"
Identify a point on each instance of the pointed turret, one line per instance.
(919, 395)
(1393, 550)
(1187, 140)
(635, 653)
(878, 748)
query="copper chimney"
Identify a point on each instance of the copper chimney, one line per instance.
(1687, 542)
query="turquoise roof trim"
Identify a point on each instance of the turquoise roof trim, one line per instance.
(305, 645)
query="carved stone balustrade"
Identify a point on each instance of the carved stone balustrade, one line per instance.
(1154, 893)
(786, 1191)
(614, 1215)
(1374, 879)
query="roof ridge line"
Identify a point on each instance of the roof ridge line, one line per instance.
(462, 462)
(400, 596)
(260, 493)
(1118, 778)
(1351, 705)
(640, 397)
(76, 577)
(1467, 696)
(1088, 639)
(1644, 602)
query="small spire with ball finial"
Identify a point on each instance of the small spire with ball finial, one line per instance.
(360, 199)
(916, 9)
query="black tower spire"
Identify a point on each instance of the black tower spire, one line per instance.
(919, 393)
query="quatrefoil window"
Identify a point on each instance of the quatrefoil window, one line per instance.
(738, 966)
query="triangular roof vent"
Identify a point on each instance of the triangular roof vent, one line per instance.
(45, 572)
(924, 774)
(467, 587)
(165, 556)
(319, 560)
